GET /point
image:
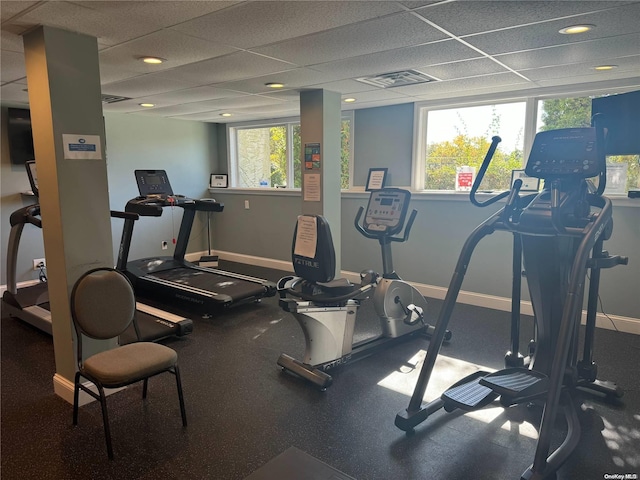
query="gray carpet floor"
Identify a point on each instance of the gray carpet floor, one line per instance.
(244, 411)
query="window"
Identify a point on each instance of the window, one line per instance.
(576, 112)
(269, 155)
(457, 140)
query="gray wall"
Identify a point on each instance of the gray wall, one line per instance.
(188, 151)
(383, 137)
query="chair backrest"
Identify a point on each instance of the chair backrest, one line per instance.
(313, 255)
(103, 303)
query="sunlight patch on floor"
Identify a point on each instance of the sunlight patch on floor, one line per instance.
(446, 372)
(622, 441)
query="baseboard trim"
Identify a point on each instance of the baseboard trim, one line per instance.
(608, 321)
(64, 389)
(28, 283)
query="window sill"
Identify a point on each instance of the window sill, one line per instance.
(442, 196)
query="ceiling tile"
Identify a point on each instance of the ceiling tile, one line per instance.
(12, 66)
(594, 50)
(12, 42)
(125, 106)
(624, 65)
(227, 68)
(172, 110)
(346, 86)
(81, 18)
(9, 9)
(144, 85)
(463, 69)
(244, 25)
(14, 92)
(177, 48)
(295, 78)
(163, 14)
(610, 23)
(380, 34)
(189, 95)
(466, 85)
(241, 102)
(403, 58)
(463, 18)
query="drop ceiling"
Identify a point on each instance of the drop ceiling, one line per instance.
(219, 55)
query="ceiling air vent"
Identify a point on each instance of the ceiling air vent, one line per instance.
(113, 98)
(396, 79)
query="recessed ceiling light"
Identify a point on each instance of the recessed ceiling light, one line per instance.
(225, 114)
(349, 100)
(147, 105)
(573, 29)
(274, 85)
(152, 60)
(605, 67)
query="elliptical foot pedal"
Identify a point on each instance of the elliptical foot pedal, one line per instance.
(468, 394)
(308, 372)
(516, 382)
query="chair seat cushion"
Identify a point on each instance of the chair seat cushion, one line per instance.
(129, 363)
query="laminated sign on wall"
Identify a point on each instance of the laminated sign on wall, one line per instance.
(81, 147)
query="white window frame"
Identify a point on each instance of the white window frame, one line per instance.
(530, 97)
(288, 122)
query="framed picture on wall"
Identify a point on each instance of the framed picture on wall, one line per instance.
(218, 180)
(376, 179)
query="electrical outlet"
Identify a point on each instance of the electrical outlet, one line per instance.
(165, 245)
(39, 263)
(246, 204)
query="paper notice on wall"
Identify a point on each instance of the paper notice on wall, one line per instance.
(306, 237)
(81, 147)
(311, 187)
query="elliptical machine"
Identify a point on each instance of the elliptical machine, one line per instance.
(326, 308)
(559, 234)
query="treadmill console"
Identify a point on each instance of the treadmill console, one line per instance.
(153, 182)
(32, 173)
(564, 152)
(386, 211)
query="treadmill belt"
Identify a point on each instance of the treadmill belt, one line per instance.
(37, 294)
(236, 288)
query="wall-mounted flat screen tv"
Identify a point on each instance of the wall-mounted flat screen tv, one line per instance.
(622, 120)
(19, 135)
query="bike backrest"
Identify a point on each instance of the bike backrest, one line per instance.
(312, 252)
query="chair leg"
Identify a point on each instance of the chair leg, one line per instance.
(105, 420)
(144, 388)
(180, 396)
(76, 395)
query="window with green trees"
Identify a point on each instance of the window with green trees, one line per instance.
(269, 155)
(458, 139)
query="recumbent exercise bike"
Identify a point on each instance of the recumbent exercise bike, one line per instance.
(326, 307)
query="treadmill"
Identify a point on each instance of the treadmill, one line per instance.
(173, 281)
(31, 303)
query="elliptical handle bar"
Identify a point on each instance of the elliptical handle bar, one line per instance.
(483, 169)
